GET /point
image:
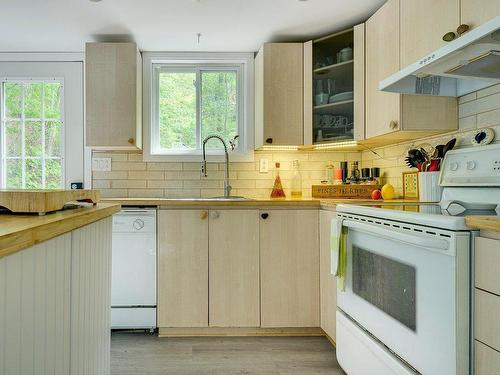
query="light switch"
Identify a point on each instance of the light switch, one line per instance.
(264, 165)
(101, 164)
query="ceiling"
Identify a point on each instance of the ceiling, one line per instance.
(162, 25)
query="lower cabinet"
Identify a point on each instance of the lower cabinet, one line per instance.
(289, 264)
(238, 268)
(234, 268)
(487, 304)
(327, 282)
(182, 268)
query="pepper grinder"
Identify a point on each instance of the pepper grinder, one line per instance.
(343, 167)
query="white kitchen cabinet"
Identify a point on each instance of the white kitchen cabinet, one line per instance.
(327, 281)
(289, 261)
(234, 297)
(113, 82)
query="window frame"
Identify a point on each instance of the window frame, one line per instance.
(23, 120)
(155, 62)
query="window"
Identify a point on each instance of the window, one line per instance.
(189, 97)
(31, 134)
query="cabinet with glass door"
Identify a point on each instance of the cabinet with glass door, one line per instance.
(334, 87)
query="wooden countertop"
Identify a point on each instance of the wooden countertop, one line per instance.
(18, 232)
(483, 222)
(256, 203)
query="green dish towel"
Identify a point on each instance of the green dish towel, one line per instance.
(338, 251)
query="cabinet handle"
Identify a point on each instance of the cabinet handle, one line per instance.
(203, 215)
(393, 125)
(214, 214)
(265, 215)
(448, 37)
(269, 140)
(131, 141)
(462, 29)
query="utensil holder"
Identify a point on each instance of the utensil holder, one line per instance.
(428, 187)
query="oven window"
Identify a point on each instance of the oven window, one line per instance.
(385, 283)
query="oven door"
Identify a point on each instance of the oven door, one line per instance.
(401, 287)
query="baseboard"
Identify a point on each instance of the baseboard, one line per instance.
(332, 341)
(238, 331)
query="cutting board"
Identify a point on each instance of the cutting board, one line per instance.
(43, 201)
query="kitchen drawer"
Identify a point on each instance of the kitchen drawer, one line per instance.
(487, 264)
(487, 360)
(487, 318)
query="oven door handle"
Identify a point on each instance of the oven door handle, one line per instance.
(433, 243)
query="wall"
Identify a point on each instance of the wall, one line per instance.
(131, 177)
(476, 110)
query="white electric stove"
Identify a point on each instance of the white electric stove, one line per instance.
(406, 307)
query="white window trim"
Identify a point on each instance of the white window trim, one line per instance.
(246, 98)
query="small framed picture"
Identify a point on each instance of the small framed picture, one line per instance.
(410, 185)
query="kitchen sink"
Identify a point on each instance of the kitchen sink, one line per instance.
(234, 198)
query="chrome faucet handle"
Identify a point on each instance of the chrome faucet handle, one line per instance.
(233, 142)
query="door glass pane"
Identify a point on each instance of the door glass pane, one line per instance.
(386, 284)
(53, 138)
(52, 101)
(53, 173)
(14, 173)
(33, 138)
(13, 100)
(13, 138)
(177, 110)
(34, 174)
(33, 100)
(219, 105)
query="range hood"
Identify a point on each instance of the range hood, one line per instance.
(466, 64)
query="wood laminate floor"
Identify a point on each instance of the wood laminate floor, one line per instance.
(140, 353)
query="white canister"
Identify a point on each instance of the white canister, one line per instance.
(428, 187)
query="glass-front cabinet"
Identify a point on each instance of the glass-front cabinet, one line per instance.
(334, 87)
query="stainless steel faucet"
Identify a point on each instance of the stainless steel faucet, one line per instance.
(227, 186)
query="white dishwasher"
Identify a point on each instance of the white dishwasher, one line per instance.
(133, 275)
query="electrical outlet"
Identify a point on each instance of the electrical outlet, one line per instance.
(264, 165)
(101, 164)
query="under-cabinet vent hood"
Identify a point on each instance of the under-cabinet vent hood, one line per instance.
(468, 63)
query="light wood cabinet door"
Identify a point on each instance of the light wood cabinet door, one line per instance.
(289, 261)
(234, 268)
(182, 268)
(423, 24)
(487, 361)
(476, 12)
(327, 282)
(382, 60)
(279, 94)
(113, 81)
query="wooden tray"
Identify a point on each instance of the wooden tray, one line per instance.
(343, 191)
(43, 201)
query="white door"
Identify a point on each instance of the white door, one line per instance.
(42, 124)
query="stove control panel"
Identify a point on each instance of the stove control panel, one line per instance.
(474, 166)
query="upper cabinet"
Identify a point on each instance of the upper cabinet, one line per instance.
(476, 12)
(279, 95)
(394, 117)
(334, 87)
(423, 24)
(113, 95)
